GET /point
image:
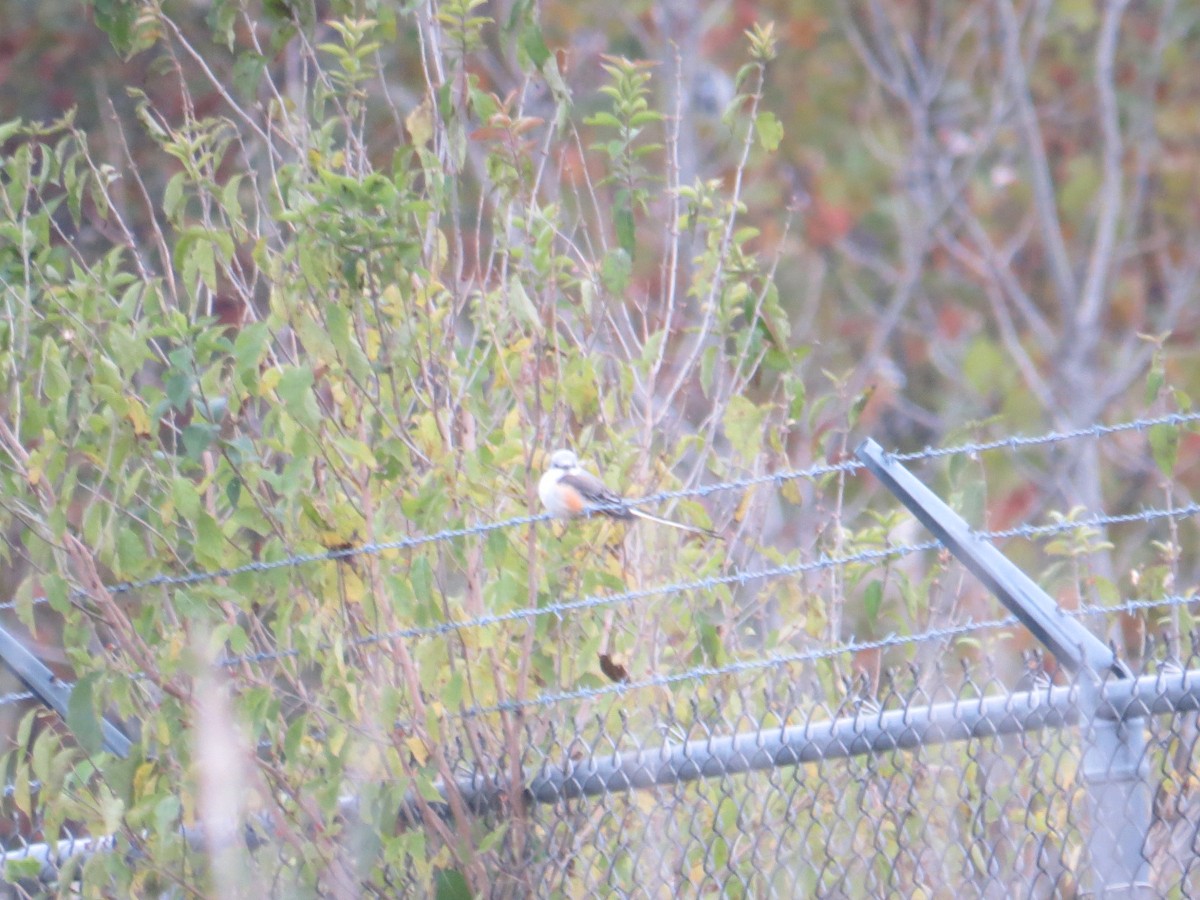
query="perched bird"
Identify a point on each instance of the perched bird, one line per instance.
(569, 491)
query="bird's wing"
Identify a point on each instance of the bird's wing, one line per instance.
(595, 493)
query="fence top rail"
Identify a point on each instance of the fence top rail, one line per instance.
(869, 731)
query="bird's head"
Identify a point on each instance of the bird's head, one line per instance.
(564, 459)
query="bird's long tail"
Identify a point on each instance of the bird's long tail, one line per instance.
(694, 529)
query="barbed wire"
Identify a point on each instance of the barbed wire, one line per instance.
(772, 661)
(739, 578)
(1013, 442)
(1017, 441)
(714, 581)
(601, 600)
(709, 583)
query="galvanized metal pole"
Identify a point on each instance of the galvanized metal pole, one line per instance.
(1114, 765)
(51, 690)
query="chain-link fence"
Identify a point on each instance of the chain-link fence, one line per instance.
(981, 792)
(943, 771)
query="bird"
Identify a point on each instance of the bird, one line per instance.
(567, 490)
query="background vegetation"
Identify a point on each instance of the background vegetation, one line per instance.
(295, 278)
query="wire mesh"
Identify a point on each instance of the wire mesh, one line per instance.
(991, 802)
(1002, 813)
(918, 807)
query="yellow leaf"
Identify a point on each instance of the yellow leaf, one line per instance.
(391, 300)
(419, 123)
(353, 589)
(512, 423)
(335, 741)
(743, 506)
(372, 344)
(417, 748)
(144, 779)
(268, 381)
(790, 489)
(427, 434)
(135, 412)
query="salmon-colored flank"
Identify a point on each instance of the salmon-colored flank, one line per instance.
(572, 499)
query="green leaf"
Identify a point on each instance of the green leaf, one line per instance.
(1164, 446)
(973, 506)
(173, 194)
(744, 426)
(81, 715)
(1154, 383)
(116, 18)
(166, 815)
(233, 491)
(625, 226)
(421, 578)
(711, 644)
(769, 130)
(201, 262)
(492, 838)
(859, 404)
(247, 72)
(9, 128)
(26, 868)
(196, 439)
(534, 44)
(209, 548)
(295, 390)
(248, 350)
(186, 498)
(616, 270)
(131, 554)
(451, 884)
(603, 120)
(294, 737)
(873, 600)
(58, 594)
(454, 690)
(522, 307)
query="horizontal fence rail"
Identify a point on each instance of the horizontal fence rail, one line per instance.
(869, 732)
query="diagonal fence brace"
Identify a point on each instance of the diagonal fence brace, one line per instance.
(1113, 764)
(52, 690)
(1067, 638)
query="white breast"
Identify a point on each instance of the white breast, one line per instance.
(549, 493)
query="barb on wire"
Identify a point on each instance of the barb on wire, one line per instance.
(819, 470)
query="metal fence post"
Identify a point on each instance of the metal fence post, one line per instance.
(1116, 775)
(1113, 765)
